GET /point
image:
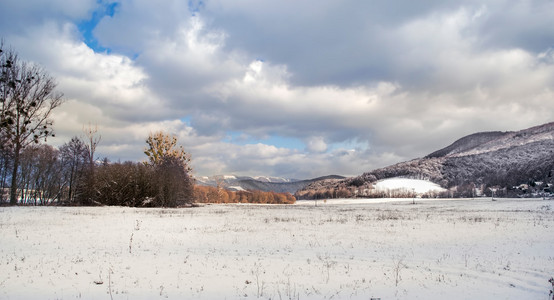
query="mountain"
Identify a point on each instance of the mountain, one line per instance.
(486, 159)
(261, 183)
(282, 187)
(233, 182)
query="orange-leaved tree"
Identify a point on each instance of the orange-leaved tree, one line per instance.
(172, 169)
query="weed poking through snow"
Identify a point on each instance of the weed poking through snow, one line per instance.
(399, 265)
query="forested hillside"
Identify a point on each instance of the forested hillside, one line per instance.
(501, 160)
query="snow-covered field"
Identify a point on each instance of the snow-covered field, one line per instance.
(445, 249)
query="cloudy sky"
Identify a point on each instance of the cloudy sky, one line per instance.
(290, 88)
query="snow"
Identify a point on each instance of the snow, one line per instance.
(236, 188)
(271, 179)
(340, 249)
(417, 185)
(358, 201)
(262, 178)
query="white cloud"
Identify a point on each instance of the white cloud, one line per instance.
(316, 144)
(361, 84)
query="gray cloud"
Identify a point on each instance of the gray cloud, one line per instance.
(17, 17)
(522, 24)
(362, 85)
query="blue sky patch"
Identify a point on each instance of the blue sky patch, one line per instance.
(86, 27)
(195, 6)
(239, 138)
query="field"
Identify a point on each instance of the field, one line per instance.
(343, 249)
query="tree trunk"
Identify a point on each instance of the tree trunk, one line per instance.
(13, 188)
(70, 192)
(4, 175)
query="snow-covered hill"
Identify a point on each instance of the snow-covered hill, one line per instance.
(488, 159)
(485, 142)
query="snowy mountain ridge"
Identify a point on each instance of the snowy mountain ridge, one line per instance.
(233, 182)
(261, 183)
(495, 141)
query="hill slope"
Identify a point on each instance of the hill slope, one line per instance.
(502, 159)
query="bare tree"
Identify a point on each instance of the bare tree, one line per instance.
(28, 97)
(40, 175)
(85, 188)
(46, 176)
(74, 156)
(92, 141)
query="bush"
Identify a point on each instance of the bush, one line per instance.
(173, 184)
(126, 184)
(165, 184)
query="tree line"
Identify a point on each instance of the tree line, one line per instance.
(67, 176)
(71, 176)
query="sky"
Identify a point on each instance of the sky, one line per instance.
(294, 89)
